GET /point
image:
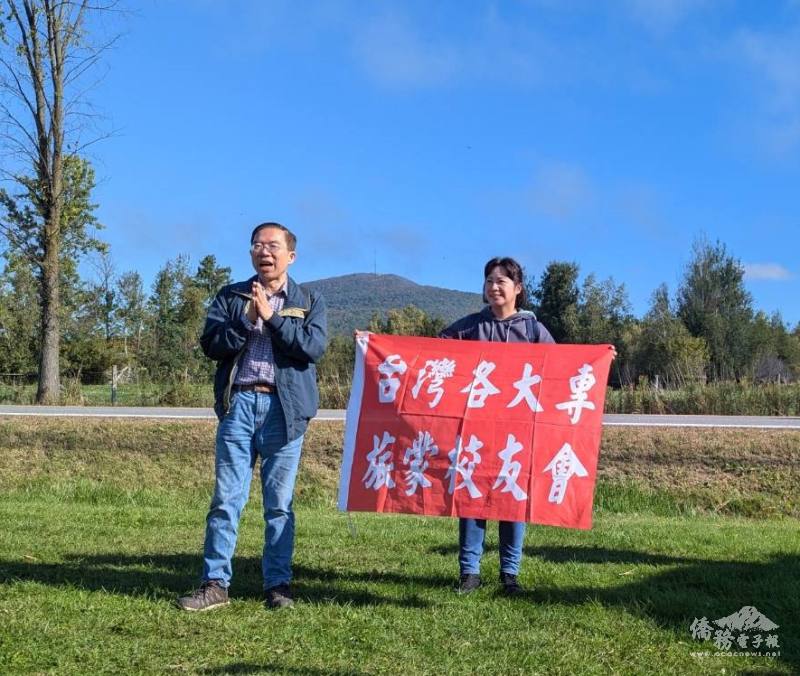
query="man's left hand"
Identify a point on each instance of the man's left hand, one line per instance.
(261, 302)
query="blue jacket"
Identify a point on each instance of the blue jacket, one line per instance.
(299, 337)
(522, 327)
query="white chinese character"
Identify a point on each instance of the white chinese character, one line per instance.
(723, 638)
(436, 370)
(415, 458)
(462, 466)
(757, 640)
(564, 465)
(379, 472)
(701, 629)
(524, 386)
(741, 639)
(580, 386)
(390, 383)
(480, 388)
(771, 641)
(509, 472)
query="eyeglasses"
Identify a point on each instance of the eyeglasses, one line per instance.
(272, 247)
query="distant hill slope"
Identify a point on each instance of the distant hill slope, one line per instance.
(352, 299)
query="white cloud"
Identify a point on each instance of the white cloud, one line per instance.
(323, 224)
(641, 205)
(773, 61)
(560, 190)
(401, 50)
(316, 205)
(394, 53)
(657, 16)
(661, 16)
(399, 46)
(770, 271)
(776, 59)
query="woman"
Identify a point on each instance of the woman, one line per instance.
(500, 321)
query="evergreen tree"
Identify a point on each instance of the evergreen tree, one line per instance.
(603, 315)
(131, 313)
(19, 321)
(714, 305)
(163, 352)
(776, 352)
(176, 313)
(665, 348)
(556, 300)
(408, 321)
(210, 278)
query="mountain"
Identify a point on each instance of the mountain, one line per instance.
(747, 618)
(352, 299)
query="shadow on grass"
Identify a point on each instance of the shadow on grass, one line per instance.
(166, 576)
(327, 575)
(273, 668)
(585, 555)
(690, 588)
(673, 598)
(669, 591)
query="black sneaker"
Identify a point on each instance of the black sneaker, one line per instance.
(211, 594)
(468, 582)
(279, 596)
(510, 584)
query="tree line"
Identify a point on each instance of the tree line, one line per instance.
(112, 319)
(707, 332)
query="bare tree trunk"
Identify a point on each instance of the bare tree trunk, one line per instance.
(51, 172)
(49, 390)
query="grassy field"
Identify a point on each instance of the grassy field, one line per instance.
(103, 526)
(724, 398)
(73, 393)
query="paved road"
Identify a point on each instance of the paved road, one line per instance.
(610, 419)
(748, 421)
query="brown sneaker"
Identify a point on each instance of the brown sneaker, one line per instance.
(211, 594)
(279, 597)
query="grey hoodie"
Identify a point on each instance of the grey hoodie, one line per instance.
(521, 327)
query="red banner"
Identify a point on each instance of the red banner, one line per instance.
(474, 429)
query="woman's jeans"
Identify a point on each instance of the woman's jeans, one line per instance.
(254, 425)
(471, 536)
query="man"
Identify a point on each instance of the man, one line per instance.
(266, 335)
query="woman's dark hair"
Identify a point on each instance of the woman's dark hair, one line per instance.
(515, 274)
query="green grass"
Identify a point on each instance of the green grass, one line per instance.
(129, 394)
(103, 527)
(723, 398)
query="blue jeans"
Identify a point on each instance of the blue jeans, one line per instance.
(471, 535)
(254, 425)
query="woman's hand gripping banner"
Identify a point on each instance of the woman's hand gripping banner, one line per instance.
(509, 432)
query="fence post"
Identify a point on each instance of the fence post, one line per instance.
(113, 384)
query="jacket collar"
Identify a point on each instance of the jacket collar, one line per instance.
(520, 315)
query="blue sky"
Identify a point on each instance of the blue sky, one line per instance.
(422, 138)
